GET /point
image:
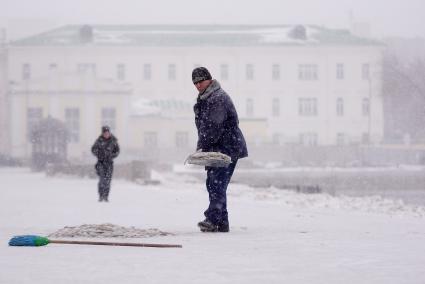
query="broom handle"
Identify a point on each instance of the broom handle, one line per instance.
(115, 244)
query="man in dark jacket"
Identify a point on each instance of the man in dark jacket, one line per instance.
(218, 131)
(106, 149)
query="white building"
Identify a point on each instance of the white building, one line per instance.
(4, 134)
(309, 85)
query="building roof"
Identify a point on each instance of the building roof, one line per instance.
(161, 107)
(193, 35)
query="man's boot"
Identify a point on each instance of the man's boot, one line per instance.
(223, 227)
(207, 226)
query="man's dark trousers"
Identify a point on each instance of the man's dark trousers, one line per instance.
(217, 181)
(104, 170)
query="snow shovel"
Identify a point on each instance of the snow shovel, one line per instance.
(37, 241)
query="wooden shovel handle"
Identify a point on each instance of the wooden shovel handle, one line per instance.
(115, 244)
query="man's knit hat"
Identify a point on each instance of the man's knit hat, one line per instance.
(200, 74)
(106, 128)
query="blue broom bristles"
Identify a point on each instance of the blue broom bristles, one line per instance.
(28, 240)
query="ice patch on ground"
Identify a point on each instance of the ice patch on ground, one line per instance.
(106, 230)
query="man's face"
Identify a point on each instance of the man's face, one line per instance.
(106, 134)
(202, 85)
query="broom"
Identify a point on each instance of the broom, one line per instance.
(37, 241)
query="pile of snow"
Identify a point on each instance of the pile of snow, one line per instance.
(106, 230)
(371, 204)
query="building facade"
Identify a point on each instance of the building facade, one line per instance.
(299, 84)
(4, 111)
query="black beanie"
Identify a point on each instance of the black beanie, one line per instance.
(200, 74)
(105, 128)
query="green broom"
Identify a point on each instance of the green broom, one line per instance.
(36, 241)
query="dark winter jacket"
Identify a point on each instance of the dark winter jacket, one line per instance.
(106, 149)
(218, 124)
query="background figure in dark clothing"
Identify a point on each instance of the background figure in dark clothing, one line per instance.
(106, 149)
(218, 131)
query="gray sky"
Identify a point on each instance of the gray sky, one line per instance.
(387, 17)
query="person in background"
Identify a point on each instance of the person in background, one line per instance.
(218, 131)
(106, 149)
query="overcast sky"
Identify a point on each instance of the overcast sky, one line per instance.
(386, 17)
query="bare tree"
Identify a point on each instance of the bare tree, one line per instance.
(404, 98)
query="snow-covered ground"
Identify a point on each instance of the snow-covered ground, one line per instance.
(276, 236)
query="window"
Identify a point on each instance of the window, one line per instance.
(276, 72)
(34, 116)
(249, 72)
(120, 72)
(86, 69)
(340, 71)
(307, 72)
(171, 72)
(224, 72)
(275, 107)
(249, 107)
(26, 71)
(307, 106)
(109, 117)
(339, 107)
(276, 138)
(308, 139)
(365, 138)
(53, 67)
(147, 71)
(150, 139)
(366, 107)
(182, 139)
(340, 139)
(365, 71)
(72, 121)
